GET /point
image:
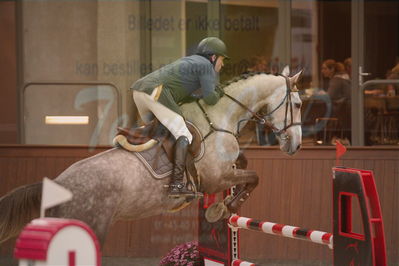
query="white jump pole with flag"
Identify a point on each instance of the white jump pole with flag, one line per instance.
(52, 195)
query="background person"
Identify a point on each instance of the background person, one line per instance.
(348, 66)
(258, 63)
(339, 83)
(339, 91)
(392, 89)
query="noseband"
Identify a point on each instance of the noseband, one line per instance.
(265, 119)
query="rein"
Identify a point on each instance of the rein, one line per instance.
(258, 117)
(212, 127)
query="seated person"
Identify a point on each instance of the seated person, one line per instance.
(339, 91)
(393, 89)
(388, 90)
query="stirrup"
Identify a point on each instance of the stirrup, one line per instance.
(180, 190)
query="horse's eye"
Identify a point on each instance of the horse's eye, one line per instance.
(298, 105)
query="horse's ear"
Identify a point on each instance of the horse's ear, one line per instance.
(286, 71)
(294, 80)
(296, 77)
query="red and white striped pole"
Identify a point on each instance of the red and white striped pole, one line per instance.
(314, 236)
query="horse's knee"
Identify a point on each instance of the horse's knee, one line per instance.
(254, 181)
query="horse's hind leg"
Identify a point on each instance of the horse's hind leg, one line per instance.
(246, 181)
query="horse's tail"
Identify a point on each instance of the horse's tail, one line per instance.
(18, 208)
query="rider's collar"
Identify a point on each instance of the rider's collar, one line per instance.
(208, 56)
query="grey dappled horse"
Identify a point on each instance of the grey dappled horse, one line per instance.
(115, 185)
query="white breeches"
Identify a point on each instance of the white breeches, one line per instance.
(148, 107)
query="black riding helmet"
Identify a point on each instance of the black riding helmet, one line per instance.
(212, 46)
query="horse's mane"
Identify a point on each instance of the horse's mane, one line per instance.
(243, 76)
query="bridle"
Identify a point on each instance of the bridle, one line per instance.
(288, 106)
(259, 118)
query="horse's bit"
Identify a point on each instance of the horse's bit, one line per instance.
(259, 118)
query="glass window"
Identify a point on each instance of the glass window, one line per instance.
(60, 114)
(254, 31)
(251, 29)
(194, 24)
(317, 37)
(321, 45)
(381, 112)
(380, 73)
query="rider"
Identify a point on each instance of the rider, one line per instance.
(161, 92)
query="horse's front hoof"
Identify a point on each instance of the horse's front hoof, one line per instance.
(216, 212)
(231, 204)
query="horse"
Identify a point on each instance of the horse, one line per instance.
(115, 185)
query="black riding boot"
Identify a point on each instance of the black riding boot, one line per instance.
(177, 187)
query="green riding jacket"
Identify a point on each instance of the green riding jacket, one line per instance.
(187, 78)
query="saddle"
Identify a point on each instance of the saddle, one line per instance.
(158, 155)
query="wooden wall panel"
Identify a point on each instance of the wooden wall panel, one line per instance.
(292, 190)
